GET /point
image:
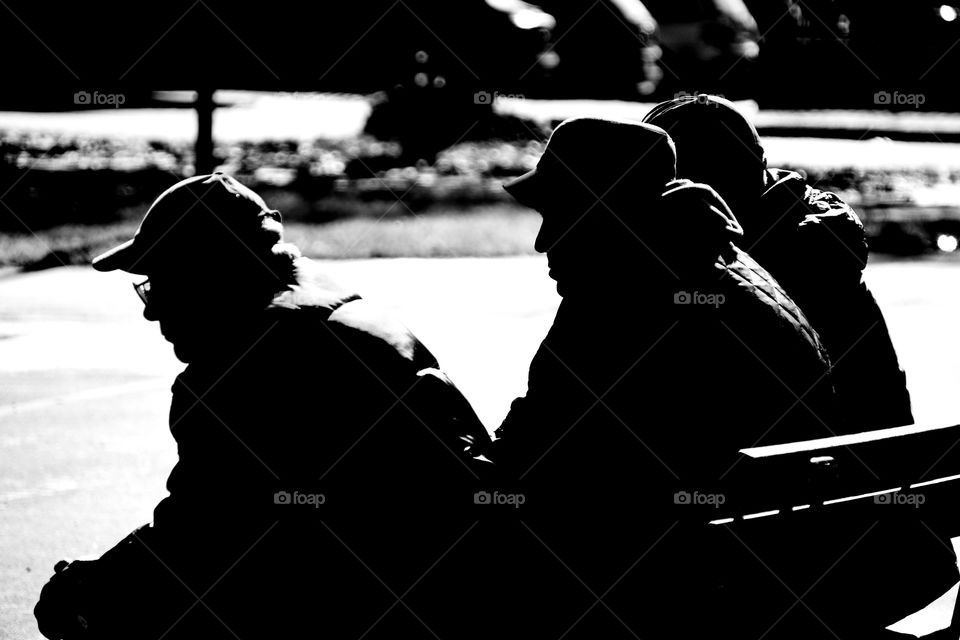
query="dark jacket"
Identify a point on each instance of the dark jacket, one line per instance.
(682, 364)
(322, 372)
(814, 245)
(646, 386)
(314, 444)
(636, 404)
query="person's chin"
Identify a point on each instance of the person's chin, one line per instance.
(182, 352)
(562, 287)
(552, 274)
(181, 348)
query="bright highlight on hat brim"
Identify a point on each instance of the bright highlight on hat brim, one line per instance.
(526, 189)
(121, 257)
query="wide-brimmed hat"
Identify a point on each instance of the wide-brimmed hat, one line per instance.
(597, 159)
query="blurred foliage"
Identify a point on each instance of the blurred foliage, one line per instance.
(484, 231)
(51, 181)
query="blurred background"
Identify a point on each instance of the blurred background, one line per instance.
(384, 129)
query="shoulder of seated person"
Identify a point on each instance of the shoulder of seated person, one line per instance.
(752, 279)
(313, 288)
(818, 200)
(747, 276)
(370, 320)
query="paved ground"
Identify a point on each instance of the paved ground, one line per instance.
(84, 383)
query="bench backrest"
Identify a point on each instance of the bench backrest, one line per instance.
(914, 468)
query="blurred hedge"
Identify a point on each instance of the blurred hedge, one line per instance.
(49, 181)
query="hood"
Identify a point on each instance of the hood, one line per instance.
(780, 183)
(778, 209)
(797, 213)
(692, 227)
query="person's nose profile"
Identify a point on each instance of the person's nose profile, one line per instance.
(544, 241)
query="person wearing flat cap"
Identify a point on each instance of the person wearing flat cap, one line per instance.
(671, 350)
(814, 244)
(305, 420)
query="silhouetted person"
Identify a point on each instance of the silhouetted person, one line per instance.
(649, 266)
(812, 243)
(671, 350)
(316, 439)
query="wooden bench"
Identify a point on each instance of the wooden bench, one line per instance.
(804, 509)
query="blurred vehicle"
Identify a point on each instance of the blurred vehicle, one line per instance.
(708, 46)
(447, 77)
(603, 49)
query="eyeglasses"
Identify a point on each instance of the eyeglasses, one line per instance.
(143, 290)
